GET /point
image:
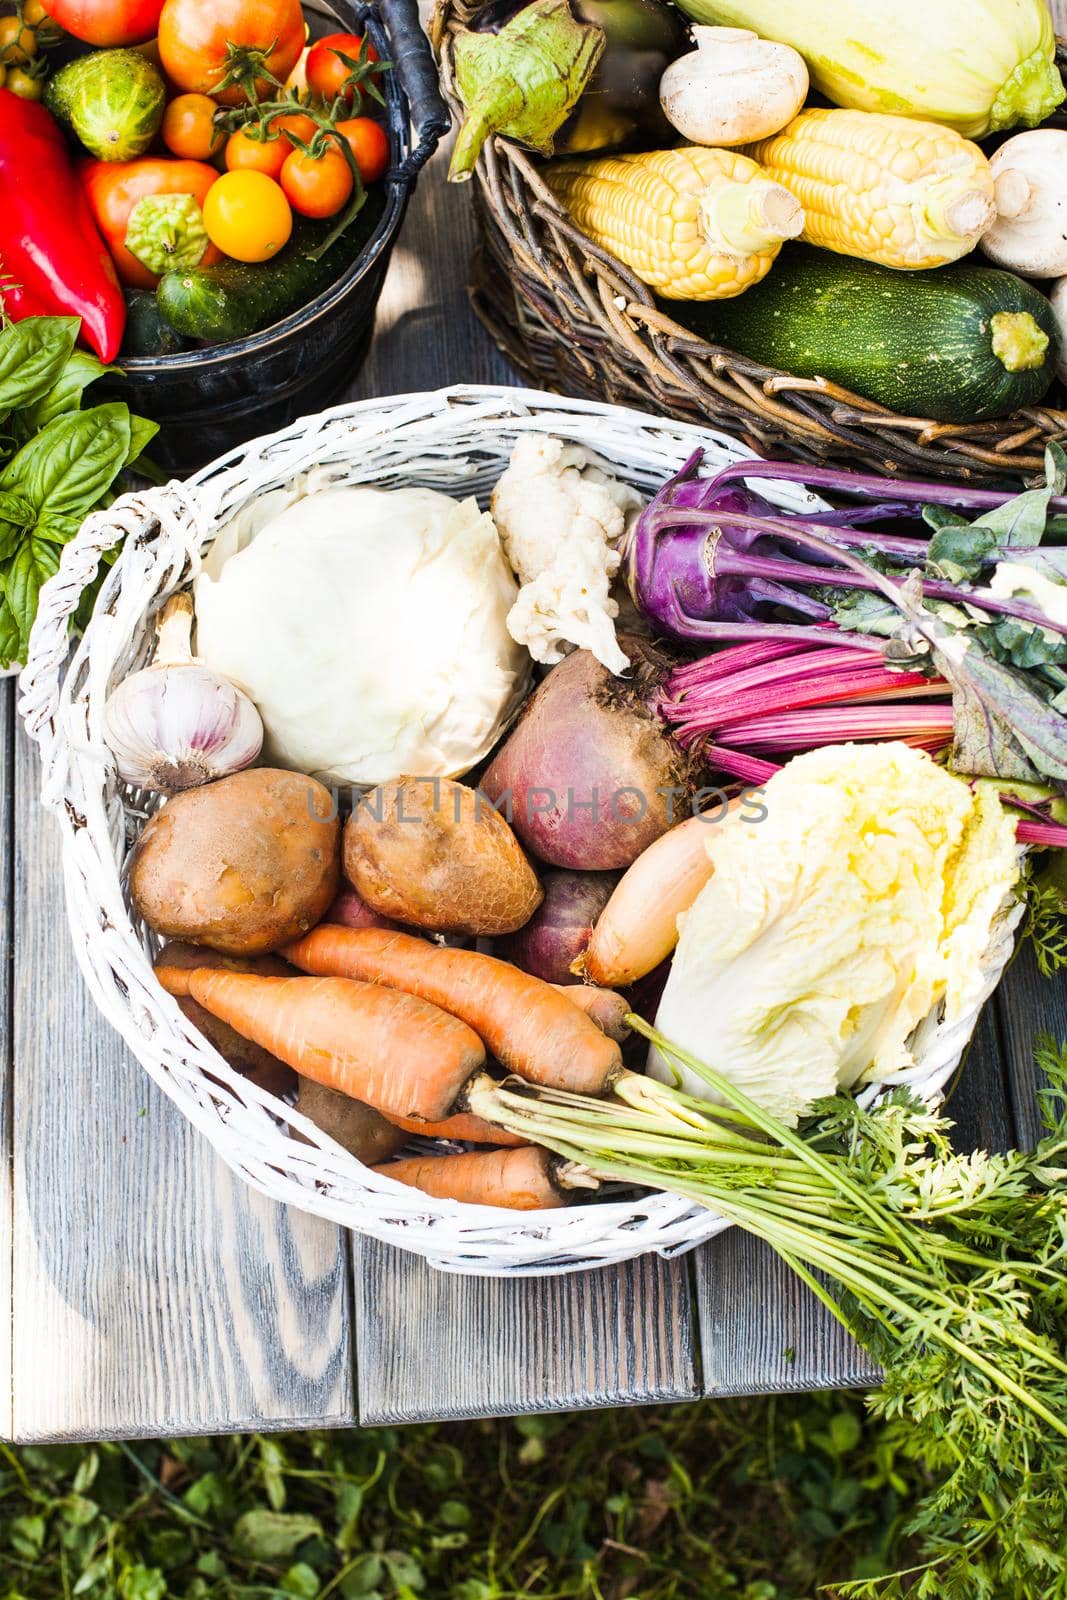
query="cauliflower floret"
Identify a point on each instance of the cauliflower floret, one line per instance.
(561, 516)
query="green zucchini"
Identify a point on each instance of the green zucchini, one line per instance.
(146, 332)
(959, 344)
(233, 299)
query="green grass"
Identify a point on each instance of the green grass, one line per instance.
(743, 1500)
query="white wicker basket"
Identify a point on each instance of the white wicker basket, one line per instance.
(457, 440)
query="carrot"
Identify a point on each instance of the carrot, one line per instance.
(606, 1008)
(521, 1180)
(464, 1125)
(530, 1027)
(391, 1050)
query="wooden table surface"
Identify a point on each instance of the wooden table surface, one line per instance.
(145, 1291)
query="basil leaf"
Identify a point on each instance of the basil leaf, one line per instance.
(67, 467)
(34, 562)
(81, 369)
(16, 508)
(33, 353)
(22, 589)
(9, 636)
(142, 432)
(11, 536)
(57, 530)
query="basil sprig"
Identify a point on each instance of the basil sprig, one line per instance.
(57, 462)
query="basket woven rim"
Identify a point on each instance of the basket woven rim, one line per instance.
(452, 438)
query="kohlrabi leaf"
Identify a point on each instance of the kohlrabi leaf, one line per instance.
(958, 552)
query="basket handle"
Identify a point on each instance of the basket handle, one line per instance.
(416, 73)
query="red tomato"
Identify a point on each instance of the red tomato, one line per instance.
(107, 22)
(199, 41)
(326, 73)
(369, 143)
(316, 186)
(114, 188)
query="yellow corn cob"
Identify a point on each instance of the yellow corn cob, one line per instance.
(694, 224)
(889, 189)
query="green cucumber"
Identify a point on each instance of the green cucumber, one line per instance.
(232, 300)
(146, 332)
(112, 99)
(963, 343)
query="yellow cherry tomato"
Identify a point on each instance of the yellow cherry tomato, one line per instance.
(33, 12)
(247, 216)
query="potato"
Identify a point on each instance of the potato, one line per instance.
(434, 854)
(357, 1128)
(245, 1057)
(243, 865)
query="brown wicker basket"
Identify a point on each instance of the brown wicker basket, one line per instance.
(572, 318)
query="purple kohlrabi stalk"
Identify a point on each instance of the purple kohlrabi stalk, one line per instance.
(709, 559)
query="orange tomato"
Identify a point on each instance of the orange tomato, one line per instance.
(245, 153)
(114, 188)
(369, 143)
(189, 129)
(316, 186)
(198, 42)
(247, 216)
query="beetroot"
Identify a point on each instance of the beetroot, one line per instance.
(559, 929)
(351, 911)
(590, 775)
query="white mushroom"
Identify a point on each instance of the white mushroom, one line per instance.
(1058, 297)
(733, 88)
(1029, 234)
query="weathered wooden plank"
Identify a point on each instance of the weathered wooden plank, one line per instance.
(761, 1330)
(154, 1292)
(7, 807)
(434, 1346)
(1028, 1006)
(764, 1332)
(979, 1099)
(426, 335)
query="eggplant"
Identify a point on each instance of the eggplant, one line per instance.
(566, 77)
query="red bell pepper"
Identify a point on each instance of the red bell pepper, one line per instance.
(49, 244)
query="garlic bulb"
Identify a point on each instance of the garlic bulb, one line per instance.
(177, 724)
(733, 88)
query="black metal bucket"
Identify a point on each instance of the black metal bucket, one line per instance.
(207, 401)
